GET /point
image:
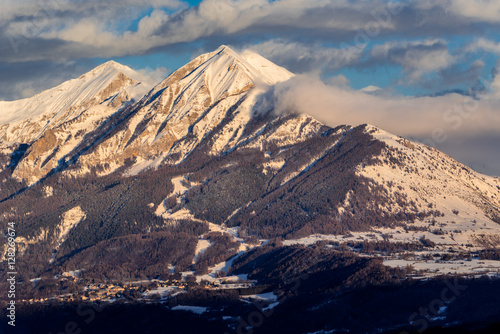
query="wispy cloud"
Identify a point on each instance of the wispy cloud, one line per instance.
(307, 58)
(99, 28)
(472, 10)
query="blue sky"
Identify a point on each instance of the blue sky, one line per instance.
(76, 35)
(445, 49)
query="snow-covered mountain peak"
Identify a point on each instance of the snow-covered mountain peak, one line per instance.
(272, 72)
(95, 86)
(225, 49)
(110, 68)
(114, 64)
(107, 66)
(55, 121)
(258, 68)
(220, 74)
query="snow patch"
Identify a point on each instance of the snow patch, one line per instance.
(194, 309)
(70, 220)
(269, 296)
(201, 247)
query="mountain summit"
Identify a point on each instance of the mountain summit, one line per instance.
(62, 102)
(53, 122)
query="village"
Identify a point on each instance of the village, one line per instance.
(140, 290)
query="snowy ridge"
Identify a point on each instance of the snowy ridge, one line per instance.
(210, 97)
(433, 179)
(66, 101)
(266, 69)
(70, 93)
(56, 121)
(70, 219)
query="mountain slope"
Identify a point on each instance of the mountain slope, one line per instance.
(58, 104)
(55, 121)
(197, 150)
(212, 96)
(196, 195)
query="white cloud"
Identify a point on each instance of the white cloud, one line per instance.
(90, 36)
(338, 81)
(415, 117)
(458, 125)
(149, 24)
(95, 28)
(485, 45)
(87, 32)
(466, 10)
(152, 76)
(322, 20)
(476, 10)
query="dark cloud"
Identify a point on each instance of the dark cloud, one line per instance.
(480, 152)
(457, 75)
(87, 23)
(415, 57)
(24, 79)
(17, 48)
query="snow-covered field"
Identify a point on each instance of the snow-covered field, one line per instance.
(269, 296)
(445, 244)
(474, 267)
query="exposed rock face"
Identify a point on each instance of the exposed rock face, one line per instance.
(55, 121)
(211, 96)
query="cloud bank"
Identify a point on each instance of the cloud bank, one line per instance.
(445, 122)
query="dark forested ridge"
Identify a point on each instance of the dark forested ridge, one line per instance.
(317, 289)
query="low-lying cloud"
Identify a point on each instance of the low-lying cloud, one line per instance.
(441, 121)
